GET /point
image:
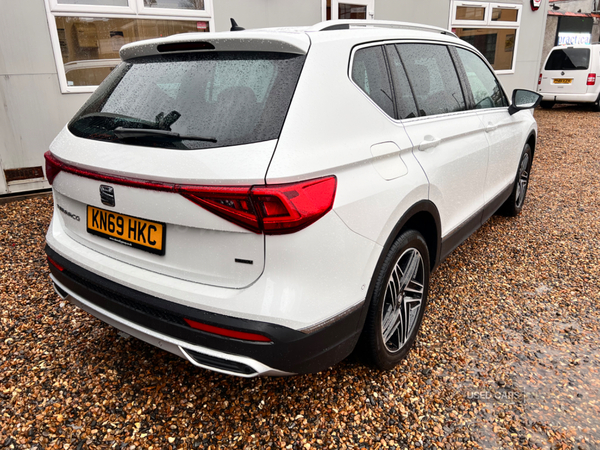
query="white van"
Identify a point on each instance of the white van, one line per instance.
(569, 76)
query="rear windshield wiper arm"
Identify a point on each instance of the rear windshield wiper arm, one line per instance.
(124, 133)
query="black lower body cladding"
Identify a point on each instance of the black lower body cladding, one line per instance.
(289, 350)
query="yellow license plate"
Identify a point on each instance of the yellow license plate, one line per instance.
(563, 80)
(131, 231)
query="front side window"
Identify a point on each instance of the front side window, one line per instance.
(370, 73)
(192, 101)
(569, 59)
(486, 90)
(433, 78)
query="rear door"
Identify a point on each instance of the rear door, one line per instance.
(448, 141)
(566, 71)
(504, 132)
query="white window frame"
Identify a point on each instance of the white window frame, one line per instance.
(488, 23)
(505, 24)
(134, 10)
(470, 23)
(370, 4)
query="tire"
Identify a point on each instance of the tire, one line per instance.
(514, 204)
(547, 104)
(596, 105)
(397, 304)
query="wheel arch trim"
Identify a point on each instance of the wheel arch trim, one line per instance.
(432, 238)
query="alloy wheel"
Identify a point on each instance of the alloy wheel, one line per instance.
(403, 300)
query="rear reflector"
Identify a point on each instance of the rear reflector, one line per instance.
(591, 79)
(269, 209)
(226, 332)
(55, 264)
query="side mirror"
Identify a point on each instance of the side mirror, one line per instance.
(523, 99)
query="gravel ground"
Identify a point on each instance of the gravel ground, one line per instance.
(508, 355)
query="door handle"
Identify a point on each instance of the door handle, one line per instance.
(490, 127)
(429, 142)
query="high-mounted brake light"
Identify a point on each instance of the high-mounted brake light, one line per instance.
(227, 332)
(269, 209)
(184, 46)
(591, 79)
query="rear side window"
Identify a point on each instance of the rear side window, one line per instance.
(192, 101)
(486, 89)
(370, 73)
(569, 59)
(433, 78)
(404, 98)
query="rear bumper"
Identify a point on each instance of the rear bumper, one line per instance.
(161, 323)
(569, 98)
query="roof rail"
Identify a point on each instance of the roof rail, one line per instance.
(331, 25)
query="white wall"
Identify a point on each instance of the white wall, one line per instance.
(32, 110)
(529, 49)
(266, 13)
(430, 12)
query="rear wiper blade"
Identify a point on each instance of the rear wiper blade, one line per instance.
(125, 133)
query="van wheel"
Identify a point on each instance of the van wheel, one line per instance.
(398, 302)
(514, 204)
(547, 105)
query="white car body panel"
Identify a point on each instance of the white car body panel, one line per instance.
(505, 134)
(296, 290)
(455, 166)
(307, 279)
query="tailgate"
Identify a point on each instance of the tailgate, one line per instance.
(208, 120)
(198, 245)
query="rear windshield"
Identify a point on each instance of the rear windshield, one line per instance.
(192, 101)
(569, 59)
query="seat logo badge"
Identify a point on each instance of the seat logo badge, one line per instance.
(107, 195)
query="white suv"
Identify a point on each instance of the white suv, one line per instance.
(259, 202)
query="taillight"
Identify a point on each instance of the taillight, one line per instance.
(287, 208)
(591, 80)
(230, 203)
(275, 209)
(53, 166)
(540, 79)
(227, 332)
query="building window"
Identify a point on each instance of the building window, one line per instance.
(88, 34)
(492, 28)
